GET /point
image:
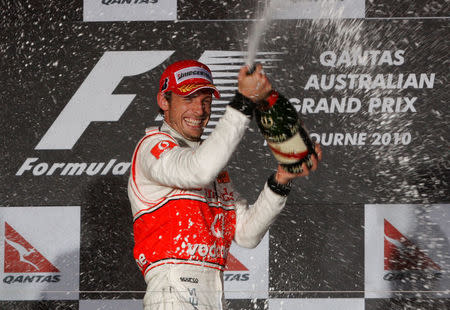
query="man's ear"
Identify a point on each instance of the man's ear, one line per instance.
(162, 101)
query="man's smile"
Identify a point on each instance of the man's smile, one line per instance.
(193, 122)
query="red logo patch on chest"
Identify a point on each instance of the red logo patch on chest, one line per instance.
(162, 146)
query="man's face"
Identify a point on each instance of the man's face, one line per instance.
(189, 115)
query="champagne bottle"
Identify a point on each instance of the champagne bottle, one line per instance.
(280, 125)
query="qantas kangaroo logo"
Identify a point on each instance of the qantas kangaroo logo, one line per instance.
(21, 256)
(402, 254)
(233, 264)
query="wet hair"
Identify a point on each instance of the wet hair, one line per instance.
(168, 96)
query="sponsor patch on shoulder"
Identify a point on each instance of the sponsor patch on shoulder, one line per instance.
(161, 147)
(223, 177)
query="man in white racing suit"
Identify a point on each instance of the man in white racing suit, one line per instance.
(186, 212)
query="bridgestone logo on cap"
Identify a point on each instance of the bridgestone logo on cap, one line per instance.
(192, 73)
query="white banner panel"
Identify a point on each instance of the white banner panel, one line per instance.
(313, 9)
(317, 304)
(39, 253)
(247, 273)
(129, 10)
(128, 304)
(407, 250)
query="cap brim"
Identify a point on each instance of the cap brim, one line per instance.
(188, 89)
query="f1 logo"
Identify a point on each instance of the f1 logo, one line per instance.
(94, 102)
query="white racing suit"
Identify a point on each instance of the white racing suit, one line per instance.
(186, 214)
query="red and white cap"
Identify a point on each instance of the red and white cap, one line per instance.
(186, 77)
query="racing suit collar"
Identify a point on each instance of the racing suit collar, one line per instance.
(180, 139)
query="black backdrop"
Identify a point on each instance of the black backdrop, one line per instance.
(317, 245)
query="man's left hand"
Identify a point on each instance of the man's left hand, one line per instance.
(284, 177)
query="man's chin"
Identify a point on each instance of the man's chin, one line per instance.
(193, 133)
(194, 136)
(194, 139)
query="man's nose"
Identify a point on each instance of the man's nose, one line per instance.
(198, 106)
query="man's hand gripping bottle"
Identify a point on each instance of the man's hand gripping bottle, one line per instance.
(280, 125)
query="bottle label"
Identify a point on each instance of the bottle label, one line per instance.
(267, 122)
(290, 151)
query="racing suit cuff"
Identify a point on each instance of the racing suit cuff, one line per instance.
(243, 104)
(280, 189)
